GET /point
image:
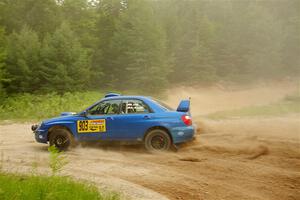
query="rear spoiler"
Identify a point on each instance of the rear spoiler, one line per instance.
(184, 106)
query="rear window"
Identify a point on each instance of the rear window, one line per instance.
(163, 105)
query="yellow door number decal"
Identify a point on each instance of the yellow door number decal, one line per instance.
(91, 126)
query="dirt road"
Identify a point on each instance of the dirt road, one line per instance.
(231, 159)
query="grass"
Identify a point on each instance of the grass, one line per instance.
(290, 104)
(41, 187)
(28, 107)
(37, 107)
(23, 187)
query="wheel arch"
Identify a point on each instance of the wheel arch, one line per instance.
(160, 128)
(56, 127)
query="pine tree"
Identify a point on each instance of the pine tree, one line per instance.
(2, 62)
(193, 56)
(109, 12)
(66, 65)
(23, 61)
(82, 17)
(139, 47)
(42, 16)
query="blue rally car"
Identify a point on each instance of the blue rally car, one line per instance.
(120, 118)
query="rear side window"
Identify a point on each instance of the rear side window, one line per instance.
(134, 107)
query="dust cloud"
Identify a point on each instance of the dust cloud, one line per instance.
(205, 100)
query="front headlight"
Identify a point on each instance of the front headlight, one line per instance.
(34, 127)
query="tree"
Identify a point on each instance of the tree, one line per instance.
(145, 44)
(193, 56)
(109, 12)
(23, 61)
(2, 62)
(41, 16)
(138, 45)
(82, 17)
(66, 65)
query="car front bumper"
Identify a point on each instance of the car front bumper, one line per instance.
(40, 134)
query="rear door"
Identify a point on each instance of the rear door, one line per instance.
(133, 120)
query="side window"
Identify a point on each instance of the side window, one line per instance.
(134, 107)
(109, 107)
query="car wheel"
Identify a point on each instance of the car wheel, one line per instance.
(61, 139)
(157, 140)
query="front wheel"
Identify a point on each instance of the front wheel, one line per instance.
(157, 140)
(61, 139)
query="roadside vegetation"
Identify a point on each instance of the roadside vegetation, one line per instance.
(27, 107)
(36, 107)
(30, 107)
(42, 187)
(289, 105)
(17, 187)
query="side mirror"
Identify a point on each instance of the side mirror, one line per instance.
(83, 114)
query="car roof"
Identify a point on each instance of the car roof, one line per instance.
(155, 106)
(127, 97)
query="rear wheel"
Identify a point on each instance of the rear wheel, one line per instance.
(61, 139)
(158, 140)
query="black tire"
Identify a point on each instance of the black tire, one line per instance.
(157, 140)
(62, 139)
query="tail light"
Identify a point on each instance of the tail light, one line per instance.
(187, 120)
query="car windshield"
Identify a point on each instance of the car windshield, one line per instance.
(163, 105)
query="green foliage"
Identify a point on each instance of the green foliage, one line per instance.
(144, 45)
(37, 107)
(57, 160)
(82, 18)
(193, 56)
(66, 64)
(42, 16)
(140, 45)
(23, 61)
(2, 63)
(59, 63)
(104, 72)
(13, 186)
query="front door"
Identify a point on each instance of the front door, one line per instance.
(99, 124)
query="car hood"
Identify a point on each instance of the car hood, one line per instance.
(60, 118)
(67, 113)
